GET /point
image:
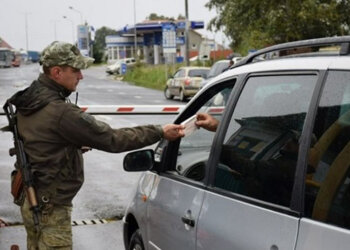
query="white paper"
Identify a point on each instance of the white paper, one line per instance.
(190, 125)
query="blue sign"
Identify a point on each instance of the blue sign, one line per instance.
(123, 68)
(180, 40)
(169, 38)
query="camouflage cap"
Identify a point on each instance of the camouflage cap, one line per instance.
(62, 53)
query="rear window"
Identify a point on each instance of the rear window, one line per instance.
(198, 73)
(218, 68)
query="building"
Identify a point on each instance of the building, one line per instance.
(157, 41)
(4, 44)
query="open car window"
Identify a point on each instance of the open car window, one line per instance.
(193, 151)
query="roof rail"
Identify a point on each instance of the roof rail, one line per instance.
(343, 41)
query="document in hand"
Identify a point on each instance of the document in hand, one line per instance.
(190, 125)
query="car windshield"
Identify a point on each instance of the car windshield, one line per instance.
(198, 73)
(217, 68)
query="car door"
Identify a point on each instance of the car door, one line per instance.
(252, 166)
(326, 224)
(175, 82)
(178, 191)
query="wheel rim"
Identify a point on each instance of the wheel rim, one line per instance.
(182, 97)
(167, 93)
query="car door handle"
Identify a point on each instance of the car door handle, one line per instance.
(188, 221)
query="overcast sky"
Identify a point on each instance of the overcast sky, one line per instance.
(45, 22)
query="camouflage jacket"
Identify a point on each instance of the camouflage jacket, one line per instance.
(54, 131)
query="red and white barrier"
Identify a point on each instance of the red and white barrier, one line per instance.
(132, 109)
(140, 109)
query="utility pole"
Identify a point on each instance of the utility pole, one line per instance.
(135, 32)
(26, 28)
(186, 34)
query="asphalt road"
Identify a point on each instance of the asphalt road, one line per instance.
(107, 186)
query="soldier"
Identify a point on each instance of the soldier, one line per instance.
(54, 132)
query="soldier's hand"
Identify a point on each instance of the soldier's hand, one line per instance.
(172, 132)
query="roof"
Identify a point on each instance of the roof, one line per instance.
(314, 61)
(158, 24)
(4, 44)
(289, 64)
(194, 67)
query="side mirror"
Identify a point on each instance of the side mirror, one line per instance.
(139, 160)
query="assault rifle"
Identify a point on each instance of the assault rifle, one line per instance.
(24, 176)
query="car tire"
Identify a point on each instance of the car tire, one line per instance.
(182, 96)
(167, 93)
(136, 242)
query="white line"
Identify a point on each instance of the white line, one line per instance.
(154, 245)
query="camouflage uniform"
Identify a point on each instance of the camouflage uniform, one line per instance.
(53, 131)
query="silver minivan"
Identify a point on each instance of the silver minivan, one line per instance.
(274, 175)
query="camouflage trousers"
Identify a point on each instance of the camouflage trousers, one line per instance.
(55, 227)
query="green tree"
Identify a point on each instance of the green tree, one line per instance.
(154, 16)
(259, 23)
(100, 42)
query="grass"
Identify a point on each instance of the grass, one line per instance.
(152, 76)
(149, 76)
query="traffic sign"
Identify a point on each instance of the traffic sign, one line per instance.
(123, 68)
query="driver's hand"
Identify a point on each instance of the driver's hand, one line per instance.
(207, 122)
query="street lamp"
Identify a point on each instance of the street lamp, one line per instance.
(26, 28)
(81, 15)
(73, 36)
(55, 28)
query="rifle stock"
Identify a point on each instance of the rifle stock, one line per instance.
(22, 162)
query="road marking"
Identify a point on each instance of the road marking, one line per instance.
(75, 222)
(89, 222)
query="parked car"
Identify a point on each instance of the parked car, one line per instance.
(115, 67)
(274, 175)
(217, 68)
(185, 82)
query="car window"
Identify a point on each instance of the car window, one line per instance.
(259, 153)
(198, 73)
(194, 149)
(217, 68)
(180, 73)
(327, 191)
